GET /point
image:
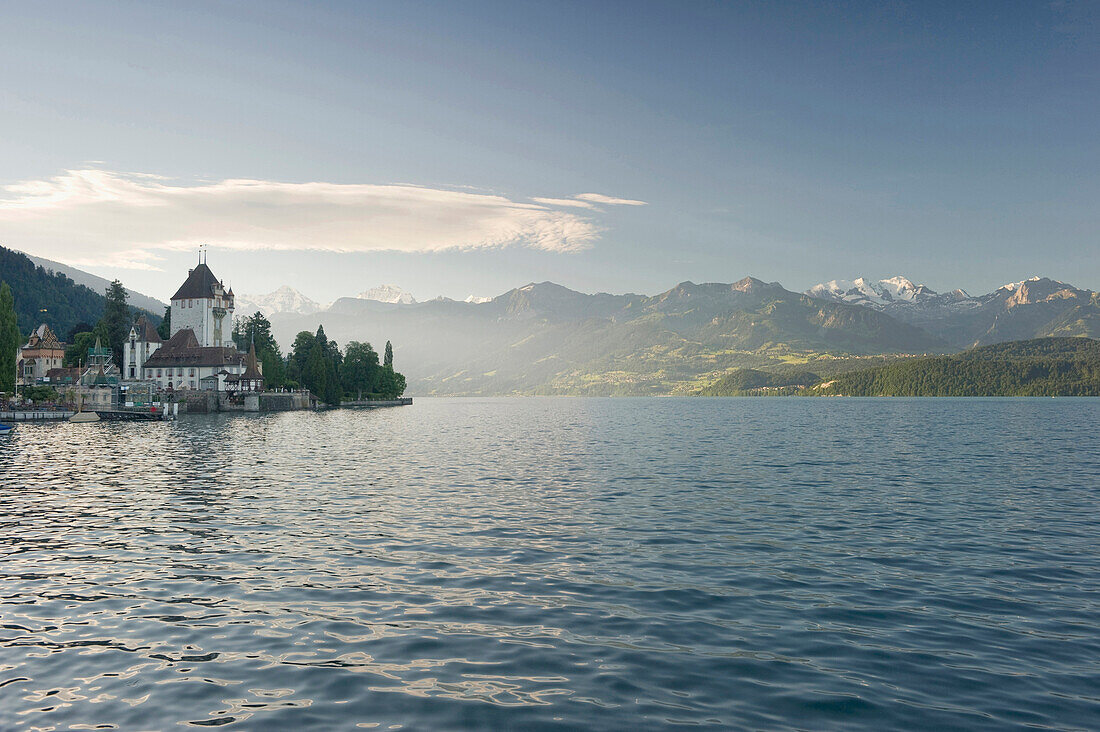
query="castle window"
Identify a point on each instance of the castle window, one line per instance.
(159, 374)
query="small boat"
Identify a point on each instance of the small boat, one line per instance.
(6, 428)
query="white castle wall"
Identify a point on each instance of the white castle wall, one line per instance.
(198, 315)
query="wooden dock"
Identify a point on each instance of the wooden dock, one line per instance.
(35, 415)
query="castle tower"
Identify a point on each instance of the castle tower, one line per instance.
(203, 305)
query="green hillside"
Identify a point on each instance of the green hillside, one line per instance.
(1037, 367)
(42, 296)
(743, 382)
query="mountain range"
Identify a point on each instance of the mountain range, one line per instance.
(543, 338)
(1038, 306)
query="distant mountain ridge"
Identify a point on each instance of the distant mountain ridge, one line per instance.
(288, 300)
(388, 293)
(283, 300)
(546, 338)
(1034, 307)
(543, 338)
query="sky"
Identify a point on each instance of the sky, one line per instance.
(467, 148)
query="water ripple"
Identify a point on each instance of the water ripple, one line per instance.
(558, 563)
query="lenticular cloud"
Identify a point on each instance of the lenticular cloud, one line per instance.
(125, 219)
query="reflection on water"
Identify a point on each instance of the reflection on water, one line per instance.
(557, 563)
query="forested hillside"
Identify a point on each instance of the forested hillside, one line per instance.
(48, 297)
(1038, 367)
(743, 382)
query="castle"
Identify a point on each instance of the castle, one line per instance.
(200, 354)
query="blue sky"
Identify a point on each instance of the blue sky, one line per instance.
(337, 146)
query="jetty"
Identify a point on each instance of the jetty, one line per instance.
(35, 415)
(401, 402)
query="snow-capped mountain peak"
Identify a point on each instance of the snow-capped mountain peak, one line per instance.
(387, 293)
(874, 293)
(283, 300)
(1013, 286)
(897, 296)
(477, 299)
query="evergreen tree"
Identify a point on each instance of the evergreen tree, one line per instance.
(300, 351)
(388, 362)
(313, 376)
(9, 339)
(116, 320)
(257, 329)
(164, 330)
(334, 391)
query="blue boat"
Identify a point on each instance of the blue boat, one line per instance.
(6, 428)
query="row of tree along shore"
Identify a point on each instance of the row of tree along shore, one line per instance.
(317, 363)
(314, 362)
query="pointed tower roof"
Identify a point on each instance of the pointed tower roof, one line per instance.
(199, 284)
(251, 368)
(146, 331)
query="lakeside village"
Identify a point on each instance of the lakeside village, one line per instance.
(191, 363)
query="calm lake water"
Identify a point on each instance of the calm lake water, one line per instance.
(558, 563)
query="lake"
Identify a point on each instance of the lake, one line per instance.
(558, 563)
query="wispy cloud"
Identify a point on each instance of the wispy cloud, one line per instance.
(609, 200)
(130, 219)
(563, 202)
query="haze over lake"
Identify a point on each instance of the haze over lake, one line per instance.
(558, 564)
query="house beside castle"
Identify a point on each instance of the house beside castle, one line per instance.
(41, 353)
(200, 354)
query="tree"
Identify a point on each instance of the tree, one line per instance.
(80, 327)
(39, 394)
(300, 352)
(334, 391)
(116, 320)
(257, 329)
(388, 362)
(360, 371)
(314, 373)
(76, 353)
(274, 368)
(392, 384)
(9, 339)
(164, 330)
(42, 296)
